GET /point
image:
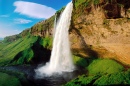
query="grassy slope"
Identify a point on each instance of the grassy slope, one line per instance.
(9, 50)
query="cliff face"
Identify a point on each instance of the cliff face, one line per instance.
(43, 28)
(103, 27)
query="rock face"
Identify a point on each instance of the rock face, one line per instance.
(43, 28)
(101, 28)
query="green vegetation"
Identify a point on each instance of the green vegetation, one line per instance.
(12, 38)
(37, 52)
(81, 7)
(82, 62)
(60, 11)
(86, 3)
(17, 36)
(104, 66)
(102, 72)
(120, 78)
(8, 80)
(9, 50)
(82, 81)
(25, 50)
(46, 42)
(78, 2)
(17, 75)
(24, 57)
(43, 26)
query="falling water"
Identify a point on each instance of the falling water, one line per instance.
(61, 59)
(55, 22)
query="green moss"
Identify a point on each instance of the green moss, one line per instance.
(80, 61)
(104, 66)
(8, 80)
(46, 42)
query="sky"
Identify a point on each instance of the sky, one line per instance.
(17, 15)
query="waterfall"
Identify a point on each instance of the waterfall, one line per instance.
(61, 59)
(55, 22)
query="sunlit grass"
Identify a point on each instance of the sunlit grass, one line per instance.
(104, 66)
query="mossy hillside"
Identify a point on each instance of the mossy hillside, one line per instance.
(38, 52)
(23, 57)
(9, 50)
(98, 66)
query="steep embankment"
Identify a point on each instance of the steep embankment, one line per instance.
(26, 50)
(102, 26)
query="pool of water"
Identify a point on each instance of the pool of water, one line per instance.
(54, 80)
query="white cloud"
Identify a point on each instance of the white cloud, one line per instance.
(21, 21)
(33, 9)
